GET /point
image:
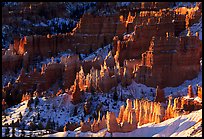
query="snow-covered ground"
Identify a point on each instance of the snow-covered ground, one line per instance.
(60, 109)
(185, 4)
(9, 77)
(100, 52)
(182, 126)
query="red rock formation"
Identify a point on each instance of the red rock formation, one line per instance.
(95, 126)
(10, 61)
(76, 95)
(126, 78)
(190, 91)
(85, 126)
(4, 105)
(142, 113)
(160, 96)
(99, 124)
(181, 105)
(71, 67)
(162, 61)
(130, 48)
(200, 92)
(112, 124)
(154, 5)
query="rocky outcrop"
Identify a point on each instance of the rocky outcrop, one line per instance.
(113, 126)
(10, 61)
(199, 92)
(181, 105)
(71, 67)
(76, 92)
(95, 126)
(164, 57)
(160, 95)
(190, 91)
(99, 124)
(85, 126)
(88, 39)
(154, 5)
(130, 46)
(4, 105)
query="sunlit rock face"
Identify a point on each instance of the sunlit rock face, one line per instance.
(87, 39)
(71, 66)
(76, 94)
(190, 91)
(84, 38)
(148, 112)
(163, 61)
(200, 92)
(157, 21)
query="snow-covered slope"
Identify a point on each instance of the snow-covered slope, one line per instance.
(61, 110)
(182, 126)
(175, 127)
(100, 52)
(185, 4)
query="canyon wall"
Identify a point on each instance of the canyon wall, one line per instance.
(171, 56)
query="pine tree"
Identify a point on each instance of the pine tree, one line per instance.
(75, 111)
(38, 116)
(40, 126)
(32, 126)
(36, 101)
(121, 95)
(7, 132)
(20, 116)
(29, 103)
(30, 134)
(53, 124)
(22, 133)
(115, 95)
(30, 109)
(13, 131)
(48, 125)
(17, 123)
(12, 123)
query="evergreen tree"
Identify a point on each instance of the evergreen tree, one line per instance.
(36, 101)
(17, 123)
(38, 116)
(29, 103)
(32, 126)
(13, 131)
(53, 124)
(75, 111)
(7, 132)
(48, 125)
(121, 96)
(40, 126)
(30, 134)
(30, 109)
(115, 95)
(31, 98)
(20, 116)
(22, 133)
(12, 123)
